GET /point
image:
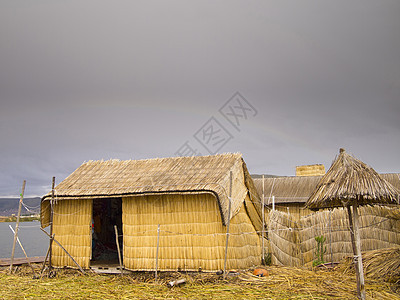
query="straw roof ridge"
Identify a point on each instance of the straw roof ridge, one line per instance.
(348, 180)
(117, 160)
(287, 189)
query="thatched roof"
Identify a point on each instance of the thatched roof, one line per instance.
(297, 189)
(393, 179)
(349, 179)
(287, 189)
(197, 174)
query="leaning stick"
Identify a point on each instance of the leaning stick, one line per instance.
(119, 251)
(19, 242)
(17, 225)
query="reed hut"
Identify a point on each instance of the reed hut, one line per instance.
(349, 183)
(173, 210)
(290, 193)
(292, 228)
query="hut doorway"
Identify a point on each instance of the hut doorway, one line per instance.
(106, 214)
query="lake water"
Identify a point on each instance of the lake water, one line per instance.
(34, 241)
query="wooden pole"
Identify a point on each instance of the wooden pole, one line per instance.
(229, 222)
(158, 246)
(23, 250)
(273, 202)
(119, 251)
(330, 235)
(61, 246)
(51, 220)
(263, 222)
(353, 244)
(45, 259)
(17, 224)
(357, 255)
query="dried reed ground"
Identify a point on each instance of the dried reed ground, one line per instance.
(282, 283)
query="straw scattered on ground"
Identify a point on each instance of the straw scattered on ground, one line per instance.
(282, 283)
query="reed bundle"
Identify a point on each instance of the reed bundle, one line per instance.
(383, 264)
(310, 170)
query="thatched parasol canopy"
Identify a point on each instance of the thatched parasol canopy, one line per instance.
(349, 179)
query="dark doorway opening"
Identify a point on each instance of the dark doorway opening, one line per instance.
(107, 213)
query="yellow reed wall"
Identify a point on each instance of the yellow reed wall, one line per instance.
(72, 228)
(191, 234)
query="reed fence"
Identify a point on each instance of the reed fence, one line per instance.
(292, 241)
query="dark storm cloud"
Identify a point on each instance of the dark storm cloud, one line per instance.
(123, 79)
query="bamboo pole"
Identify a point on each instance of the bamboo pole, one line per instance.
(119, 251)
(357, 255)
(23, 250)
(158, 246)
(229, 222)
(263, 222)
(51, 220)
(61, 246)
(17, 225)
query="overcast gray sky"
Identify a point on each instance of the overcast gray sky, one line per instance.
(88, 80)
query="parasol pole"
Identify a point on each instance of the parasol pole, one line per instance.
(357, 254)
(263, 222)
(330, 235)
(353, 245)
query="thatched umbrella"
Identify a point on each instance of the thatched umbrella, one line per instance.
(350, 183)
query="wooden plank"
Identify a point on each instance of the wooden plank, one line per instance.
(114, 269)
(21, 260)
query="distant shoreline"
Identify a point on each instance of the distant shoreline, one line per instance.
(21, 219)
